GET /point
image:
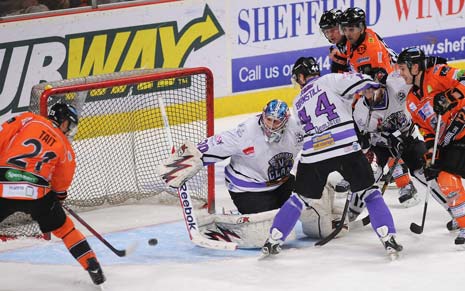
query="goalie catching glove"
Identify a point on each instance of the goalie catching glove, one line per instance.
(183, 163)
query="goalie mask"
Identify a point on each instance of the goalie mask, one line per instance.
(273, 120)
(60, 112)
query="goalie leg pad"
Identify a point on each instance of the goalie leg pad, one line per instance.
(320, 218)
(182, 164)
(247, 230)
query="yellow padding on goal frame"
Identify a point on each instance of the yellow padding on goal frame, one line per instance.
(118, 123)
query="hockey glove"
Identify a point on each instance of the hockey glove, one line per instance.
(364, 140)
(395, 121)
(431, 171)
(395, 142)
(184, 163)
(445, 101)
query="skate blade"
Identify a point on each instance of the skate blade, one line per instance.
(460, 247)
(266, 256)
(393, 256)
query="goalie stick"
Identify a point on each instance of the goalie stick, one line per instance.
(415, 228)
(186, 201)
(119, 253)
(340, 225)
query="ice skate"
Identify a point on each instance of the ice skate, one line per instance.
(452, 225)
(270, 248)
(460, 239)
(392, 248)
(408, 196)
(95, 271)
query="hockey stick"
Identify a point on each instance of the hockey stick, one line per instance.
(415, 228)
(340, 225)
(186, 201)
(119, 253)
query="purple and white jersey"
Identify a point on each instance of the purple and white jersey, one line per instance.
(390, 107)
(255, 164)
(324, 108)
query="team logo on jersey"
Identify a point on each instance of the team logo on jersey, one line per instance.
(412, 107)
(280, 166)
(361, 49)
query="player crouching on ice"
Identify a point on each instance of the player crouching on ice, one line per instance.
(262, 151)
(37, 165)
(324, 108)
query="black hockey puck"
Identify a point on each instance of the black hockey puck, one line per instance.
(153, 241)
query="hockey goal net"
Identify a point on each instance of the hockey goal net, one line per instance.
(122, 137)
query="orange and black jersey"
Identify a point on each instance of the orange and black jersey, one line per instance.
(434, 80)
(35, 157)
(370, 52)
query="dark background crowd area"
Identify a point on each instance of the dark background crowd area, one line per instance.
(17, 7)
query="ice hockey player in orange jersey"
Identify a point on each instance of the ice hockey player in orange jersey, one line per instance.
(37, 165)
(366, 50)
(437, 93)
(368, 54)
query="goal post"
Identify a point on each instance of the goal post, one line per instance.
(121, 136)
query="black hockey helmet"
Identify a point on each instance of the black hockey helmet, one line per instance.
(330, 19)
(352, 17)
(412, 55)
(60, 112)
(307, 66)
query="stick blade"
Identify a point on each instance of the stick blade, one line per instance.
(415, 228)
